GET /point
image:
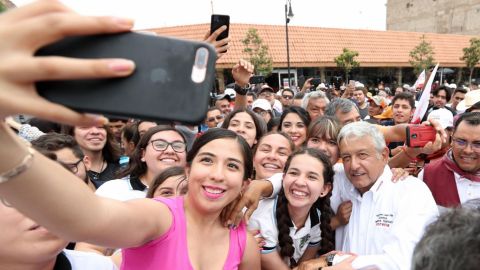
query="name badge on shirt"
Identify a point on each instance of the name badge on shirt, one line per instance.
(383, 220)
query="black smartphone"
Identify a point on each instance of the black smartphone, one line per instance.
(419, 135)
(218, 21)
(256, 79)
(315, 82)
(171, 82)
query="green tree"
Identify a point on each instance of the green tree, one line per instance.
(421, 57)
(346, 61)
(471, 56)
(2, 7)
(257, 52)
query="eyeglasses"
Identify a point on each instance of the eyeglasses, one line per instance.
(460, 143)
(218, 117)
(73, 167)
(287, 97)
(162, 145)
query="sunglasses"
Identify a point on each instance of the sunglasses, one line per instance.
(287, 97)
(218, 117)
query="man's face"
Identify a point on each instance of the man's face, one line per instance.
(23, 241)
(268, 96)
(363, 164)
(144, 126)
(316, 107)
(398, 90)
(249, 101)
(224, 106)
(213, 118)
(359, 96)
(402, 111)
(457, 98)
(91, 138)
(116, 129)
(350, 117)
(440, 100)
(66, 157)
(374, 109)
(287, 98)
(465, 154)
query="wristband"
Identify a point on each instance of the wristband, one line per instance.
(239, 90)
(19, 169)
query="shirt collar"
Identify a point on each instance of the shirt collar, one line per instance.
(62, 262)
(137, 184)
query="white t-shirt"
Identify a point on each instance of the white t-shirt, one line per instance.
(264, 219)
(386, 222)
(88, 261)
(122, 190)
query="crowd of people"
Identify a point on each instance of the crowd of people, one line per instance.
(317, 177)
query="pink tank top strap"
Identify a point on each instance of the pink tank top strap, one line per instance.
(238, 241)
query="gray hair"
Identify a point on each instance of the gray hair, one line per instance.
(451, 242)
(362, 130)
(314, 95)
(342, 104)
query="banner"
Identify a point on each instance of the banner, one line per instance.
(420, 81)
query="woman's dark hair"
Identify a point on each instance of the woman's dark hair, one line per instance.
(111, 150)
(220, 133)
(301, 112)
(274, 122)
(130, 133)
(260, 125)
(164, 175)
(136, 167)
(323, 204)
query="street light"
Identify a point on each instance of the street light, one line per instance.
(288, 16)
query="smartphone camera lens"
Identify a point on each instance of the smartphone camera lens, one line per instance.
(201, 58)
(414, 136)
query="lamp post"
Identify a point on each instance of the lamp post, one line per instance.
(288, 16)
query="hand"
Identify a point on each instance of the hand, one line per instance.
(438, 127)
(344, 211)
(26, 29)
(396, 150)
(242, 72)
(221, 46)
(432, 147)
(249, 199)
(399, 174)
(307, 85)
(258, 237)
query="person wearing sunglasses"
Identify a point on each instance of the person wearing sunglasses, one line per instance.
(287, 98)
(214, 117)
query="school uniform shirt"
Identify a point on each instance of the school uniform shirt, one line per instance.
(467, 189)
(123, 189)
(264, 219)
(386, 222)
(79, 260)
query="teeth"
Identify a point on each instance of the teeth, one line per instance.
(169, 160)
(271, 166)
(299, 193)
(213, 190)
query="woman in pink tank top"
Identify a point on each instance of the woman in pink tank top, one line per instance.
(180, 233)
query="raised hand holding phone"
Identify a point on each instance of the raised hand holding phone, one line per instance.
(22, 33)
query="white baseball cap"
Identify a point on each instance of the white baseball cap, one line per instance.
(262, 104)
(230, 92)
(443, 116)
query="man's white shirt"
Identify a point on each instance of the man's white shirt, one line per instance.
(386, 222)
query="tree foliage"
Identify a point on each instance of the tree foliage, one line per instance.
(346, 61)
(2, 7)
(421, 57)
(471, 55)
(257, 52)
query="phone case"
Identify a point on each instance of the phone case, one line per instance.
(218, 21)
(418, 136)
(171, 82)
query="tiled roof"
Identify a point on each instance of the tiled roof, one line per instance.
(316, 47)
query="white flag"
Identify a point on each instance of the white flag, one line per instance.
(419, 81)
(423, 103)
